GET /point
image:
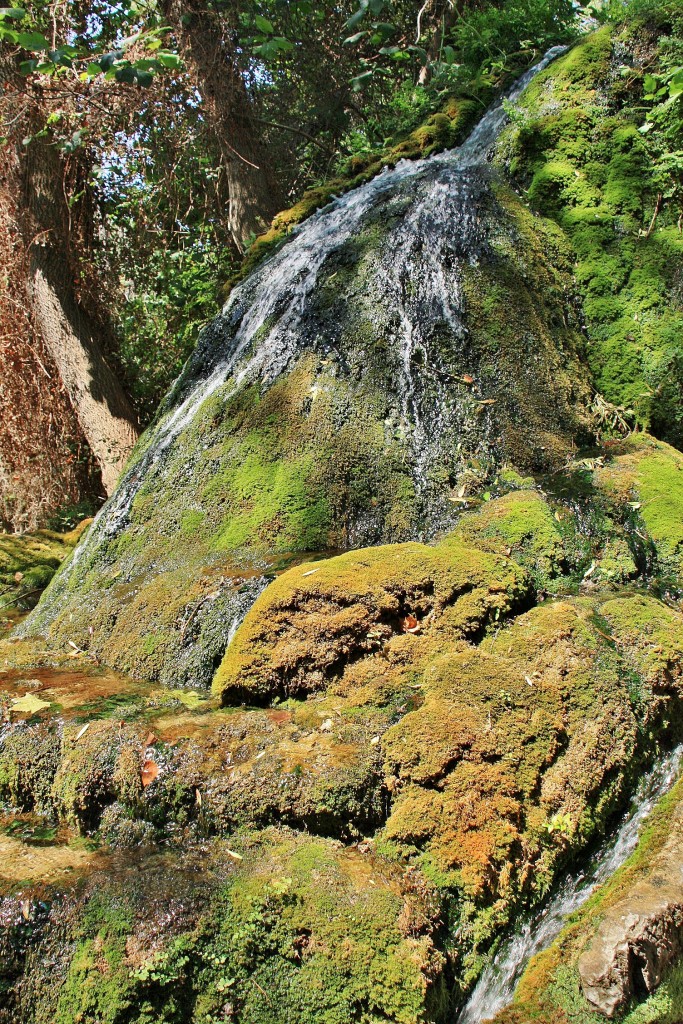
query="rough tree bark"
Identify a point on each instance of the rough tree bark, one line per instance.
(204, 41)
(67, 426)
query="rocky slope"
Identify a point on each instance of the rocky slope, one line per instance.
(433, 582)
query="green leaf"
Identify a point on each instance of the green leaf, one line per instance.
(13, 13)
(354, 38)
(168, 59)
(359, 81)
(356, 18)
(33, 41)
(263, 25)
(127, 75)
(649, 83)
(145, 78)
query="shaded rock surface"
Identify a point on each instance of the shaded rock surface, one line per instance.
(641, 936)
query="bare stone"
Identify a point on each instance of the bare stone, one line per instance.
(640, 936)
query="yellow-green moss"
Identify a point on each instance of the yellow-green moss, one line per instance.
(648, 475)
(575, 143)
(523, 526)
(317, 617)
(28, 562)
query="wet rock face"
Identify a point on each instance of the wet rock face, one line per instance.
(640, 937)
(410, 339)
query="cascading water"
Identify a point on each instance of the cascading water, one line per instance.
(497, 984)
(377, 303)
(279, 289)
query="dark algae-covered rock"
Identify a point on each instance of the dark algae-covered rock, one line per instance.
(382, 627)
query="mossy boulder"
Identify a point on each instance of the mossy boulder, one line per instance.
(578, 145)
(350, 416)
(272, 928)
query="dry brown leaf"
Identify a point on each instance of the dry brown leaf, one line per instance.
(149, 772)
(409, 624)
(468, 379)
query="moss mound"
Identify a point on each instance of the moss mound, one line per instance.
(28, 562)
(576, 146)
(257, 931)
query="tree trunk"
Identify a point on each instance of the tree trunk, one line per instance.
(45, 461)
(203, 40)
(75, 337)
(67, 426)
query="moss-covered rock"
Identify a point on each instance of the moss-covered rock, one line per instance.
(273, 928)
(353, 415)
(28, 562)
(648, 476)
(575, 144)
(551, 991)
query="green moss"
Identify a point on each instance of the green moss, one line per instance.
(298, 930)
(29, 561)
(648, 474)
(575, 144)
(521, 525)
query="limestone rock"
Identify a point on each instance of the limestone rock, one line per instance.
(641, 935)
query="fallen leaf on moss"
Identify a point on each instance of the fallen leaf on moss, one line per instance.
(409, 624)
(29, 704)
(148, 773)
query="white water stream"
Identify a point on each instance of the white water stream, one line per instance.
(497, 984)
(236, 349)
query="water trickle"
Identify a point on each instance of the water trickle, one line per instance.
(497, 984)
(233, 350)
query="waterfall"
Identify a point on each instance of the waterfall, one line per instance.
(232, 351)
(497, 984)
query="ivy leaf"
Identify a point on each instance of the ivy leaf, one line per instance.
(126, 74)
(33, 41)
(356, 18)
(359, 81)
(263, 25)
(168, 59)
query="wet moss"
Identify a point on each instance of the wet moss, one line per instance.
(440, 131)
(296, 929)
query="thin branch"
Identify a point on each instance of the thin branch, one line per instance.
(295, 131)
